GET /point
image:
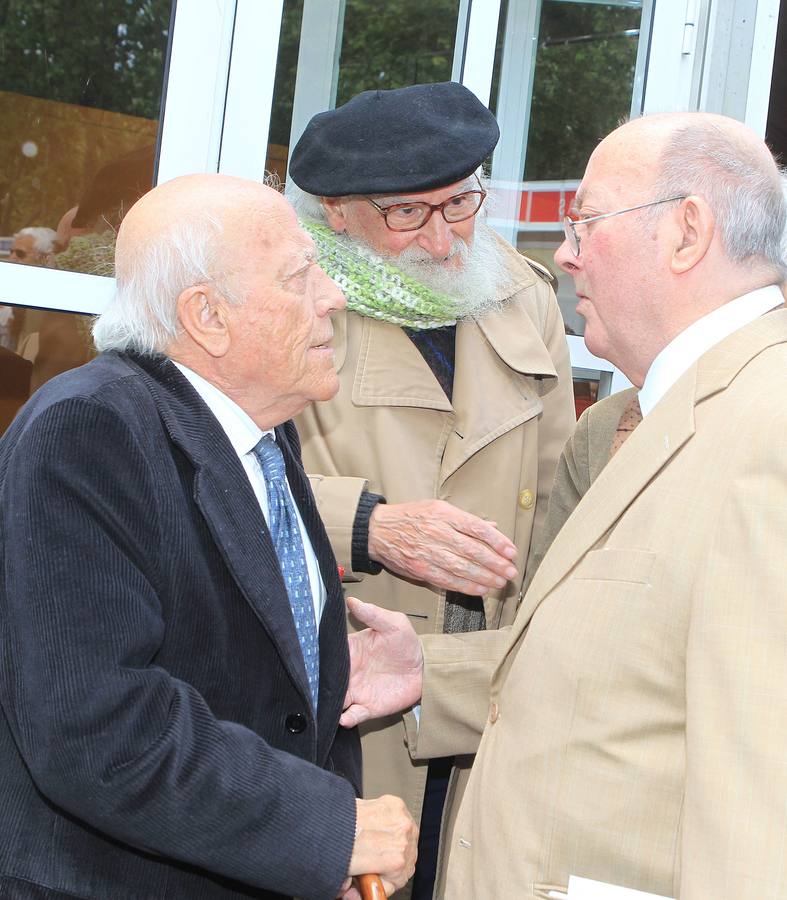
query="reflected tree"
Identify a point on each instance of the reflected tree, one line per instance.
(583, 82)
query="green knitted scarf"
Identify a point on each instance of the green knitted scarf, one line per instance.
(375, 288)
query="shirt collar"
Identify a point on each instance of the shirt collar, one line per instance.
(243, 433)
(685, 349)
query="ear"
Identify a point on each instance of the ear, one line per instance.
(695, 230)
(202, 312)
(334, 213)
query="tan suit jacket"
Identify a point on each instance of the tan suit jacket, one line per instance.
(636, 721)
(584, 456)
(491, 451)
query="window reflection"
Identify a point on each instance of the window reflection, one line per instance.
(572, 85)
(383, 45)
(80, 92)
(36, 345)
(584, 77)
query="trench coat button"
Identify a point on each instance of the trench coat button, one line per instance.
(526, 499)
(494, 713)
(295, 723)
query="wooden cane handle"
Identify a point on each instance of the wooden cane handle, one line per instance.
(370, 887)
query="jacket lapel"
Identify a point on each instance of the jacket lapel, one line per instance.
(497, 356)
(392, 372)
(225, 498)
(489, 398)
(649, 448)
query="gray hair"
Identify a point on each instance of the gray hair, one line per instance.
(142, 316)
(307, 206)
(783, 174)
(745, 196)
(44, 239)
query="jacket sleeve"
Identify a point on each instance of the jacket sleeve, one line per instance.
(458, 671)
(108, 735)
(344, 506)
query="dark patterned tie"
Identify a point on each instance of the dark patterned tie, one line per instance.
(629, 419)
(286, 536)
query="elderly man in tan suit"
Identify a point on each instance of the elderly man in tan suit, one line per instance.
(631, 724)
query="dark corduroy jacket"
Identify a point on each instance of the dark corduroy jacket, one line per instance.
(156, 737)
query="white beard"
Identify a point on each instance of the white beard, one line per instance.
(475, 283)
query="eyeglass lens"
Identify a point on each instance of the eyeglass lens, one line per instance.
(571, 235)
(21, 254)
(455, 209)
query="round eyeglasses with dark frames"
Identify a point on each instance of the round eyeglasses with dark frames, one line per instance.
(570, 223)
(414, 215)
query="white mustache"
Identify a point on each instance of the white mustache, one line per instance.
(416, 254)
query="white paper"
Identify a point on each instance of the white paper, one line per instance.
(585, 889)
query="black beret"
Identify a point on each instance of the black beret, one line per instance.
(390, 142)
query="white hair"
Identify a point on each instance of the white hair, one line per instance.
(783, 174)
(474, 285)
(307, 207)
(142, 316)
(746, 197)
(44, 239)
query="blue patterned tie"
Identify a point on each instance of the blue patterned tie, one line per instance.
(286, 535)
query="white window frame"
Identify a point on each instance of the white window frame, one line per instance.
(190, 139)
(220, 81)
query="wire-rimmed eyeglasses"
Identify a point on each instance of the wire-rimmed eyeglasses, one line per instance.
(411, 216)
(570, 223)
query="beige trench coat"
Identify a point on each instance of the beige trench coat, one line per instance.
(636, 721)
(493, 453)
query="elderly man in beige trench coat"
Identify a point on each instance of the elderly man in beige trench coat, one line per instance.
(632, 721)
(456, 394)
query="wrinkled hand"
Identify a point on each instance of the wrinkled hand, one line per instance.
(386, 665)
(386, 843)
(442, 545)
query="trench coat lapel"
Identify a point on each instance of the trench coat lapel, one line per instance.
(392, 372)
(492, 393)
(489, 396)
(226, 500)
(650, 447)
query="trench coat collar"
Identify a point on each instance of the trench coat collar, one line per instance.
(661, 434)
(226, 500)
(392, 372)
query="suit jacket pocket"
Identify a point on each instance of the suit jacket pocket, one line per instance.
(617, 564)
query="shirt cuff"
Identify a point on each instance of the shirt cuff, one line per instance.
(360, 538)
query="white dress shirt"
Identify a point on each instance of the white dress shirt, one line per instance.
(244, 436)
(685, 349)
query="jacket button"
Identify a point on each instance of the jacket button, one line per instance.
(295, 723)
(494, 713)
(526, 499)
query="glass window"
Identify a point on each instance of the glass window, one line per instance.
(36, 345)
(395, 44)
(566, 72)
(80, 96)
(555, 99)
(380, 45)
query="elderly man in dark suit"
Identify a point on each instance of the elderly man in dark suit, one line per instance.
(174, 654)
